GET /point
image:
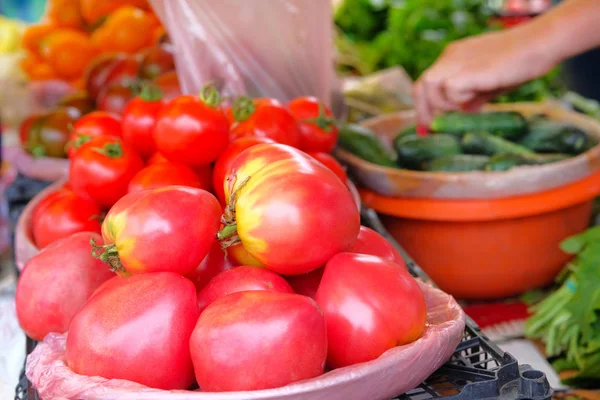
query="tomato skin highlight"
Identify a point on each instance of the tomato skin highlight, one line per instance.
(240, 279)
(388, 308)
(139, 119)
(94, 124)
(372, 243)
(287, 203)
(258, 340)
(62, 214)
(110, 336)
(56, 283)
(226, 159)
(313, 138)
(331, 163)
(166, 229)
(215, 262)
(164, 174)
(104, 177)
(269, 120)
(191, 132)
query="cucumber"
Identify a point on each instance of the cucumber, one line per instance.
(457, 163)
(506, 124)
(553, 137)
(504, 162)
(488, 144)
(363, 143)
(406, 134)
(413, 152)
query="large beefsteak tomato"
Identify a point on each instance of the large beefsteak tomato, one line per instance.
(62, 214)
(164, 174)
(258, 340)
(371, 305)
(166, 229)
(226, 159)
(138, 329)
(240, 279)
(290, 212)
(56, 283)
(371, 242)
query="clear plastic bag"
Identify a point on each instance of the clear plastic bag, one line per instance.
(398, 370)
(280, 49)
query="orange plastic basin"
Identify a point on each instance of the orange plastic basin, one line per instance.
(484, 249)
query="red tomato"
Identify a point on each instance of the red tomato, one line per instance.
(166, 229)
(168, 83)
(306, 284)
(94, 124)
(163, 174)
(331, 163)
(264, 118)
(114, 98)
(240, 279)
(258, 340)
(139, 119)
(156, 60)
(215, 262)
(108, 69)
(318, 132)
(239, 256)
(224, 161)
(138, 329)
(53, 287)
(62, 214)
(102, 169)
(371, 242)
(205, 173)
(156, 159)
(283, 208)
(192, 131)
(388, 308)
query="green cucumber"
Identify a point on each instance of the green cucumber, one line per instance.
(506, 124)
(504, 162)
(555, 137)
(406, 134)
(488, 144)
(457, 163)
(413, 152)
(363, 143)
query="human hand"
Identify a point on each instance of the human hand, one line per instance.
(472, 71)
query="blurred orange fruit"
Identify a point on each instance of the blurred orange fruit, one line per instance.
(94, 11)
(65, 13)
(33, 36)
(68, 52)
(128, 29)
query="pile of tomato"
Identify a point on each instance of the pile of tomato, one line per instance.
(197, 243)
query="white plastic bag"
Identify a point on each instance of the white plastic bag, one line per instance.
(275, 48)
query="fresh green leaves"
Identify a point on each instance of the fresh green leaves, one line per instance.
(568, 321)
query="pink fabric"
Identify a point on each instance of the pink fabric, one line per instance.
(44, 168)
(396, 371)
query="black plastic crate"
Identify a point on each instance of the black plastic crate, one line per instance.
(478, 369)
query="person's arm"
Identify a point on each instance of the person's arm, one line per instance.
(472, 71)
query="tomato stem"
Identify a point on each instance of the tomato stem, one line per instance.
(243, 107)
(109, 255)
(110, 150)
(38, 151)
(210, 95)
(150, 93)
(322, 120)
(227, 232)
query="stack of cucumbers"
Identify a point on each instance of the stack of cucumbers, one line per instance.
(460, 142)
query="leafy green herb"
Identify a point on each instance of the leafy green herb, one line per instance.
(568, 321)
